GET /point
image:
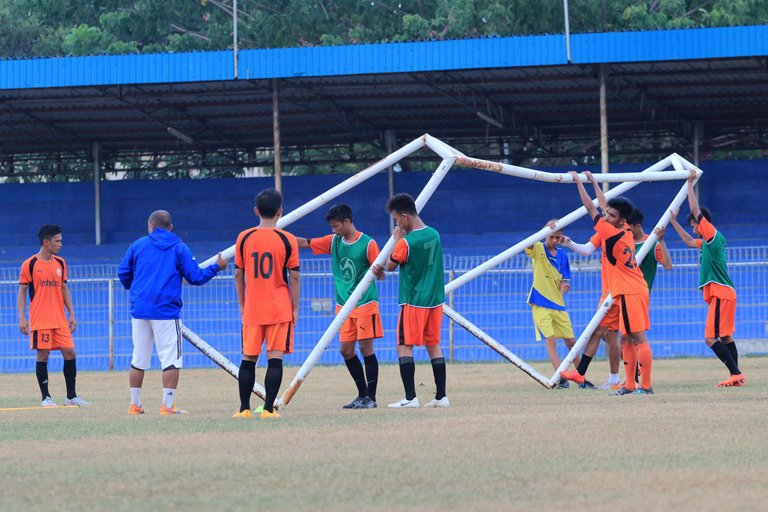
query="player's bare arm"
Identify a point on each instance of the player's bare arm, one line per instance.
(601, 200)
(666, 259)
(302, 242)
(585, 200)
(21, 304)
(240, 288)
(70, 309)
(295, 293)
(684, 236)
(693, 203)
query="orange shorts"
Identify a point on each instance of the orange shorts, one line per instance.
(419, 326)
(278, 336)
(611, 318)
(721, 318)
(363, 323)
(51, 339)
(633, 311)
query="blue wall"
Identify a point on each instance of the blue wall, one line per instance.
(474, 210)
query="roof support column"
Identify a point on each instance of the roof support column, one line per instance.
(603, 127)
(698, 128)
(389, 146)
(96, 151)
(276, 136)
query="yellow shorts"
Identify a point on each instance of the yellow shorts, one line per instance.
(551, 323)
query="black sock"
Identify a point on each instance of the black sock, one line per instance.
(371, 374)
(407, 373)
(272, 382)
(438, 369)
(70, 375)
(725, 356)
(584, 364)
(734, 352)
(246, 378)
(355, 368)
(41, 370)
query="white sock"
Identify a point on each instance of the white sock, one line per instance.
(169, 395)
(136, 396)
(613, 378)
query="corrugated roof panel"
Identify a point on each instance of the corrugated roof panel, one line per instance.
(402, 57)
(116, 69)
(659, 45)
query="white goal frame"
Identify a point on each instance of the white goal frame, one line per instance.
(673, 167)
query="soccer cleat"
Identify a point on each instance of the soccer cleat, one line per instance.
(563, 384)
(354, 404)
(623, 391)
(243, 414)
(48, 402)
(79, 402)
(608, 385)
(443, 402)
(406, 404)
(269, 415)
(166, 411)
(368, 403)
(733, 380)
(135, 410)
(643, 391)
(587, 385)
(573, 375)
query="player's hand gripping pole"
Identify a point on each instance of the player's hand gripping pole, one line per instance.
(681, 196)
(360, 289)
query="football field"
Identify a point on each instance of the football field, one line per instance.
(506, 443)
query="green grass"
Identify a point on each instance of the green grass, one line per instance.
(505, 444)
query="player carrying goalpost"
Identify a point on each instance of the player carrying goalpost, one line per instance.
(717, 286)
(352, 254)
(626, 285)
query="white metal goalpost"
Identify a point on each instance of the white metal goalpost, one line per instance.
(673, 167)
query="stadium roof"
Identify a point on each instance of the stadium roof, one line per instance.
(516, 89)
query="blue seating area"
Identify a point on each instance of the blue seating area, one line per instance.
(476, 212)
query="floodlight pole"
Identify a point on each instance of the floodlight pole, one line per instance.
(567, 16)
(389, 145)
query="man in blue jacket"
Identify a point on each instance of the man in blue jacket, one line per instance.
(152, 269)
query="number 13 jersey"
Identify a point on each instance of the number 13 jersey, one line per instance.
(266, 255)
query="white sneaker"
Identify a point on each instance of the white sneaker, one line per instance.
(443, 402)
(608, 385)
(406, 404)
(76, 401)
(48, 402)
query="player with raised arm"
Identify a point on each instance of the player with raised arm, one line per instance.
(352, 254)
(625, 281)
(607, 329)
(268, 287)
(44, 277)
(715, 283)
(421, 294)
(551, 280)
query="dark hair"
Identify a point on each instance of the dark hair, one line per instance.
(402, 203)
(48, 231)
(704, 211)
(268, 201)
(339, 213)
(160, 219)
(623, 205)
(636, 217)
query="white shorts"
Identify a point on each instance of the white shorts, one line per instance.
(166, 336)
